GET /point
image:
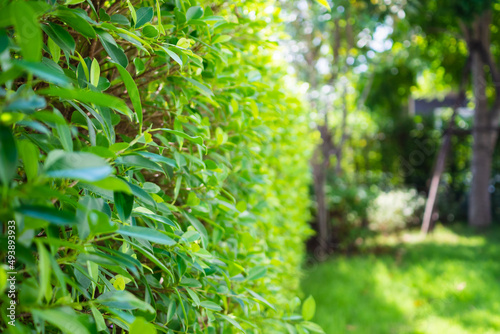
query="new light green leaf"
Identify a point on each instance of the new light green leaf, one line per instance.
(44, 270)
(132, 11)
(308, 308)
(29, 153)
(95, 72)
(141, 326)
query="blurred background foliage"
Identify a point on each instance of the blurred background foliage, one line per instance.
(382, 78)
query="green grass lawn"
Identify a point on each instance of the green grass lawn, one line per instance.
(446, 284)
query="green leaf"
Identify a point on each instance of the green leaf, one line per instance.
(183, 43)
(192, 199)
(194, 13)
(138, 161)
(141, 326)
(86, 96)
(198, 226)
(99, 223)
(64, 135)
(124, 204)
(261, 299)
(315, 328)
(144, 15)
(139, 65)
(29, 153)
(114, 51)
(44, 270)
(76, 22)
(76, 165)
(210, 305)
(63, 318)
(54, 49)
(119, 283)
(85, 68)
(132, 11)
(99, 319)
(119, 19)
(147, 233)
(44, 72)
(95, 72)
(200, 87)
(133, 92)
(158, 13)
(49, 214)
(221, 39)
(8, 155)
(308, 308)
(174, 56)
(231, 321)
(256, 273)
(114, 184)
(60, 36)
(28, 32)
(197, 140)
(123, 300)
(149, 31)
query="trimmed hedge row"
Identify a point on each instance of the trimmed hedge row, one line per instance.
(155, 167)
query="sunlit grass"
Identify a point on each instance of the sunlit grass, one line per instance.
(447, 283)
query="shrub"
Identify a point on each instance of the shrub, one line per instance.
(155, 167)
(394, 210)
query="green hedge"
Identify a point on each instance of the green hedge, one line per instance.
(156, 168)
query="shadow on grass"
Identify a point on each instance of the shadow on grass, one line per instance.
(448, 283)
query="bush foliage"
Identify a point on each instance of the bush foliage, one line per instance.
(154, 164)
(395, 210)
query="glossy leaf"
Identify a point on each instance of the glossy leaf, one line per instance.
(133, 92)
(8, 155)
(28, 32)
(85, 96)
(124, 204)
(194, 13)
(144, 15)
(147, 234)
(76, 165)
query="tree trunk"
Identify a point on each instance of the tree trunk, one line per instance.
(483, 134)
(321, 163)
(322, 214)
